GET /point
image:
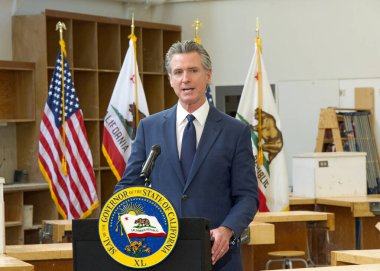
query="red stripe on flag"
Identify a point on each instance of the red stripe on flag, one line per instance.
(75, 157)
(50, 175)
(71, 167)
(262, 202)
(63, 138)
(49, 151)
(146, 234)
(58, 183)
(114, 154)
(58, 180)
(84, 151)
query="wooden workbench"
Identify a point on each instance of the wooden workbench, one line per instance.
(295, 222)
(297, 216)
(354, 220)
(301, 200)
(8, 263)
(363, 267)
(260, 233)
(345, 257)
(44, 257)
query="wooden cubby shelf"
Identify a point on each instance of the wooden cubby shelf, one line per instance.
(17, 91)
(96, 47)
(16, 196)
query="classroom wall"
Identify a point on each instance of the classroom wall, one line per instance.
(305, 42)
(302, 40)
(312, 41)
(108, 8)
(6, 12)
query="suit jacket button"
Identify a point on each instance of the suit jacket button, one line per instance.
(185, 197)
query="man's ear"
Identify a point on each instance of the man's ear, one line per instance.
(209, 76)
(170, 79)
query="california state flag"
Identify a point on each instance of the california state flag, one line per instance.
(126, 108)
(258, 109)
(141, 226)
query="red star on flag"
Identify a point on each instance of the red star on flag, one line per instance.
(257, 76)
(132, 78)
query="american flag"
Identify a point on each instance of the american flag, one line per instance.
(209, 96)
(74, 193)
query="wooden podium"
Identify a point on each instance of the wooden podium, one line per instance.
(192, 251)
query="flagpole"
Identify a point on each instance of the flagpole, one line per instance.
(60, 27)
(260, 154)
(134, 39)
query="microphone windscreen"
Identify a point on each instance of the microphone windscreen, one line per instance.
(156, 148)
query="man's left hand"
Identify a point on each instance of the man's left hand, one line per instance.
(221, 236)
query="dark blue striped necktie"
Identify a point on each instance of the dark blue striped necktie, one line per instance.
(189, 146)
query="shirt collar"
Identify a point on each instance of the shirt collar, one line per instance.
(200, 114)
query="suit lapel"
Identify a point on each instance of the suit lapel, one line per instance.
(209, 135)
(169, 128)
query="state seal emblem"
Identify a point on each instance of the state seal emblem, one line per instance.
(138, 227)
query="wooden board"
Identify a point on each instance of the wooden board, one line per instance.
(364, 98)
(360, 205)
(366, 256)
(364, 267)
(261, 233)
(300, 200)
(40, 251)
(297, 216)
(8, 263)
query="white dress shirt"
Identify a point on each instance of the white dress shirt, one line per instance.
(199, 122)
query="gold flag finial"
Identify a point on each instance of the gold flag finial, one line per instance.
(60, 26)
(197, 25)
(133, 24)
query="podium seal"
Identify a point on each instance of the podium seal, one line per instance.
(138, 227)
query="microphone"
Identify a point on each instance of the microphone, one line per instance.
(148, 165)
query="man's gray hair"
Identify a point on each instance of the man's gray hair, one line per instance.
(187, 46)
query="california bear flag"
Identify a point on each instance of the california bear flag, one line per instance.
(141, 226)
(126, 108)
(258, 109)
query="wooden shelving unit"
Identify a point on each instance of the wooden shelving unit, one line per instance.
(96, 47)
(15, 197)
(17, 111)
(17, 91)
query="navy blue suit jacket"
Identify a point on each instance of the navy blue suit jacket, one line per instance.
(221, 185)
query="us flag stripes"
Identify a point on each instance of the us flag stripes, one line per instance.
(64, 154)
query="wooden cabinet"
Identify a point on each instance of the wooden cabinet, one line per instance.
(16, 197)
(96, 47)
(17, 108)
(17, 112)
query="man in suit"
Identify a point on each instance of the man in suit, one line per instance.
(219, 182)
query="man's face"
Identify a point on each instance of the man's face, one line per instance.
(189, 80)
